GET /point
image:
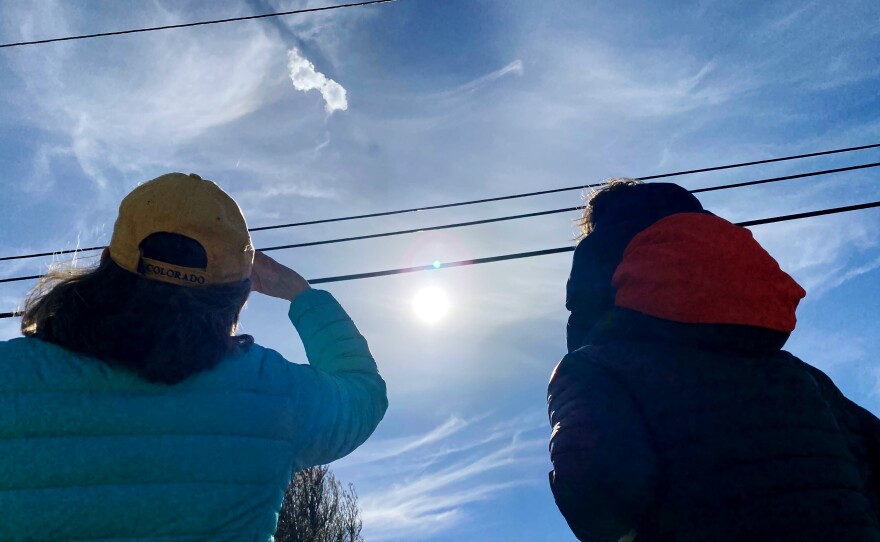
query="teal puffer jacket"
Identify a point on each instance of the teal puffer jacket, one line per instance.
(89, 452)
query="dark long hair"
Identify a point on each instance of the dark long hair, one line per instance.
(162, 332)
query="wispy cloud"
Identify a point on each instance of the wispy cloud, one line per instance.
(385, 449)
(438, 473)
(652, 84)
(273, 191)
(167, 92)
(435, 501)
(305, 78)
(854, 272)
(787, 19)
(515, 68)
(832, 350)
(41, 180)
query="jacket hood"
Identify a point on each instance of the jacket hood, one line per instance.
(589, 294)
(696, 268)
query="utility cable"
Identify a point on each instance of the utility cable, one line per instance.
(522, 255)
(485, 221)
(559, 250)
(553, 211)
(200, 23)
(564, 189)
(530, 194)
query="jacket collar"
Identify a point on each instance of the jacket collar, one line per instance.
(624, 325)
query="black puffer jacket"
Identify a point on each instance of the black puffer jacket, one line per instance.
(672, 432)
(696, 426)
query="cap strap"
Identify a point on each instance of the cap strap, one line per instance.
(172, 274)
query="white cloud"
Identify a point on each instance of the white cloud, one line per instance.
(385, 449)
(305, 78)
(424, 484)
(165, 91)
(434, 501)
(650, 86)
(790, 17)
(831, 350)
(515, 68)
(853, 273)
(305, 190)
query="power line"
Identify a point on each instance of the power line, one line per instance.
(809, 214)
(430, 267)
(554, 211)
(200, 23)
(784, 178)
(19, 279)
(564, 189)
(521, 255)
(558, 250)
(484, 221)
(419, 230)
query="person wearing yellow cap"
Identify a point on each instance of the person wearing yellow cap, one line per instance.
(132, 411)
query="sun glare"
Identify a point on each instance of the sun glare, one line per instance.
(431, 304)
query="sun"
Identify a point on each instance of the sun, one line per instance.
(431, 304)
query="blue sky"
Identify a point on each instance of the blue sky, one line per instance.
(447, 100)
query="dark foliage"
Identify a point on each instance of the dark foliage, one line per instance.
(317, 508)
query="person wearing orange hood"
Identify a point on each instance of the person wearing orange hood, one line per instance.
(676, 414)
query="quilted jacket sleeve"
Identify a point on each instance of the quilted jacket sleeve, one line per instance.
(861, 428)
(869, 426)
(604, 466)
(341, 392)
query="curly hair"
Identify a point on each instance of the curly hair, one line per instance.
(597, 200)
(162, 332)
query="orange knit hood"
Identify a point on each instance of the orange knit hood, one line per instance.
(700, 269)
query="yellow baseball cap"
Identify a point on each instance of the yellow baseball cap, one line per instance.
(190, 206)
